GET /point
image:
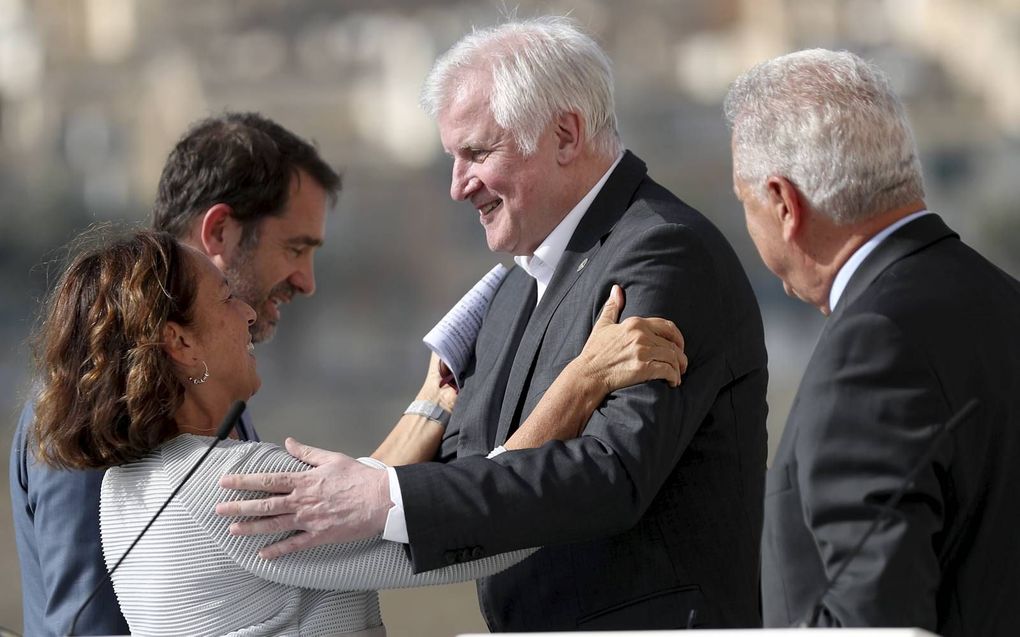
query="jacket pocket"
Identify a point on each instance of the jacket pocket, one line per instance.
(671, 608)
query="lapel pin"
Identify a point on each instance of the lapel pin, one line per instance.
(583, 263)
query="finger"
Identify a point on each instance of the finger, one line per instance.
(682, 360)
(670, 355)
(613, 306)
(260, 507)
(666, 329)
(664, 371)
(294, 543)
(268, 482)
(264, 526)
(308, 454)
(665, 353)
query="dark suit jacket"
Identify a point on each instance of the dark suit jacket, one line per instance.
(924, 325)
(56, 527)
(655, 511)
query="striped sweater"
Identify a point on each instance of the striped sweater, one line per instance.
(188, 576)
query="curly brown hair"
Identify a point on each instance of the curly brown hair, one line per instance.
(109, 390)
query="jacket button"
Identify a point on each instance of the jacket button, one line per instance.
(477, 552)
(450, 557)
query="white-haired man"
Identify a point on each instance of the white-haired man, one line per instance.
(652, 518)
(919, 324)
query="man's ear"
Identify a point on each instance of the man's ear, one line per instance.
(788, 206)
(220, 233)
(569, 129)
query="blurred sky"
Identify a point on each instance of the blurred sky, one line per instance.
(94, 93)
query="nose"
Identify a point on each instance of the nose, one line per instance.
(463, 184)
(252, 314)
(303, 279)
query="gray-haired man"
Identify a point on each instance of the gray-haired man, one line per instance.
(919, 324)
(651, 519)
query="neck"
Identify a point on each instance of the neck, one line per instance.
(199, 417)
(576, 180)
(582, 177)
(839, 243)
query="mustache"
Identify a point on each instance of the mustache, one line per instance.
(283, 291)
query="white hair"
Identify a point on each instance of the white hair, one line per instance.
(830, 123)
(539, 68)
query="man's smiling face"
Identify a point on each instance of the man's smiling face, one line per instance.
(280, 264)
(517, 197)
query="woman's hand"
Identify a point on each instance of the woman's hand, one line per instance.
(434, 389)
(616, 355)
(415, 438)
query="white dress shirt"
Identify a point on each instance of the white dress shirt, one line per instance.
(858, 257)
(540, 266)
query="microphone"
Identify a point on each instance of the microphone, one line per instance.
(221, 433)
(890, 506)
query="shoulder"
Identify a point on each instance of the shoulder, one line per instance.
(656, 213)
(179, 455)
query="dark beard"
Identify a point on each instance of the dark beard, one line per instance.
(241, 277)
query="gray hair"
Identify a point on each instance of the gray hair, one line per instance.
(829, 122)
(540, 67)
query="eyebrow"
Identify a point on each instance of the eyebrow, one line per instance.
(305, 240)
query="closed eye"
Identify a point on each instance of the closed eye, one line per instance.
(478, 155)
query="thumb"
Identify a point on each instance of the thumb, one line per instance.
(307, 454)
(613, 306)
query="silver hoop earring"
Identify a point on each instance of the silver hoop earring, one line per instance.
(205, 376)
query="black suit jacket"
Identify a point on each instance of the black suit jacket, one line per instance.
(924, 325)
(655, 511)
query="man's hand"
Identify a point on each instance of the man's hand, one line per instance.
(339, 500)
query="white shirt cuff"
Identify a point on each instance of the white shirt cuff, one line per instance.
(396, 525)
(495, 452)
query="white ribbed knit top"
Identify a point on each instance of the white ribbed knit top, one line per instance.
(188, 576)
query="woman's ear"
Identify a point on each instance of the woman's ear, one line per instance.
(179, 345)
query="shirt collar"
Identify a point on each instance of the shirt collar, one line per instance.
(542, 264)
(858, 257)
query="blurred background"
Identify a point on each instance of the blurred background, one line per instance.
(94, 93)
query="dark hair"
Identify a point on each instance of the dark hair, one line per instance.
(109, 390)
(244, 160)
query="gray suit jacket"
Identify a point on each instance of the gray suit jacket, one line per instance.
(655, 512)
(56, 527)
(924, 325)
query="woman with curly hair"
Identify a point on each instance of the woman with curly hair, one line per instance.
(142, 351)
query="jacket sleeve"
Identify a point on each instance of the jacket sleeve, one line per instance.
(64, 510)
(602, 482)
(364, 565)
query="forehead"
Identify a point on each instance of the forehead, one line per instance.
(467, 119)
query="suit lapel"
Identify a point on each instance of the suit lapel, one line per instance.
(607, 208)
(502, 328)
